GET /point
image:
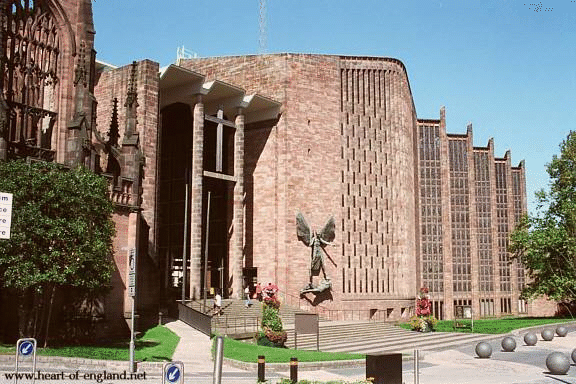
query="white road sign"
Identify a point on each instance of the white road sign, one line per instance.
(5, 214)
(132, 273)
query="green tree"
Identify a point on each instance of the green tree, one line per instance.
(61, 239)
(546, 242)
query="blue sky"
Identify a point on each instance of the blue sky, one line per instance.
(507, 66)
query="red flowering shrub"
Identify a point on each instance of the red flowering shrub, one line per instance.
(273, 333)
(272, 302)
(423, 306)
(279, 337)
(423, 321)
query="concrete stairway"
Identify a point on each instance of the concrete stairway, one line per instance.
(238, 321)
(375, 337)
(338, 336)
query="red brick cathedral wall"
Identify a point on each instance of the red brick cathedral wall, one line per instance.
(114, 84)
(342, 147)
(130, 231)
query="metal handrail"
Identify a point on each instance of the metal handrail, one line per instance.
(234, 325)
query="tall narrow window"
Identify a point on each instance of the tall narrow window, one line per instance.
(29, 80)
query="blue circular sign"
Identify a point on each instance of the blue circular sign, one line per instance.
(173, 374)
(26, 348)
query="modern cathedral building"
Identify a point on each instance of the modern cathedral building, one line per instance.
(210, 160)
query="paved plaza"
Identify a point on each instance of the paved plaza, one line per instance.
(458, 365)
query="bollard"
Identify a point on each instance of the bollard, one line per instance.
(160, 318)
(294, 370)
(218, 360)
(261, 367)
(416, 366)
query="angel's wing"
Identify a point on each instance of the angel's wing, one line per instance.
(328, 233)
(303, 229)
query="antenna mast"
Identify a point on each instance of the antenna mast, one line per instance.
(183, 53)
(263, 36)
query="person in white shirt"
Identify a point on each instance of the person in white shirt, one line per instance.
(247, 303)
(218, 304)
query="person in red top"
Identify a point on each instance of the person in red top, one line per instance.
(258, 292)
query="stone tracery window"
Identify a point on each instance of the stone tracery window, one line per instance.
(29, 81)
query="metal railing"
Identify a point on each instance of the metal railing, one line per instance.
(226, 324)
(195, 319)
(230, 325)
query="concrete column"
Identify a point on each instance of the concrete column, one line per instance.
(473, 215)
(496, 293)
(196, 210)
(237, 251)
(446, 220)
(511, 225)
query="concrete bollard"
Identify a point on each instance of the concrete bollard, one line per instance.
(218, 361)
(530, 339)
(483, 350)
(547, 334)
(416, 366)
(557, 363)
(561, 331)
(508, 344)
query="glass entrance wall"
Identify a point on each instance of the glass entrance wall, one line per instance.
(176, 146)
(217, 275)
(175, 161)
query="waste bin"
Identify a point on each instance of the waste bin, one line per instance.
(384, 368)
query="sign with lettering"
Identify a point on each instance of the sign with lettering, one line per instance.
(5, 214)
(132, 272)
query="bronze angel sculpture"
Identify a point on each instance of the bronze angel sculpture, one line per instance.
(317, 241)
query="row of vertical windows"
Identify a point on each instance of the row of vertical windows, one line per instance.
(432, 261)
(365, 200)
(460, 215)
(493, 212)
(517, 188)
(365, 91)
(367, 280)
(502, 226)
(484, 227)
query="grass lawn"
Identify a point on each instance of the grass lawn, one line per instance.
(496, 326)
(156, 344)
(248, 352)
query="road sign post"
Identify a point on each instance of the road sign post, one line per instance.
(25, 348)
(173, 373)
(5, 214)
(132, 262)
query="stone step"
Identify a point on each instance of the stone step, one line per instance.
(379, 337)
(236, 319)
(361, 329)
(333, 331)
(408, 347)
(345, 338)
(340, 336)
(364, 346)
